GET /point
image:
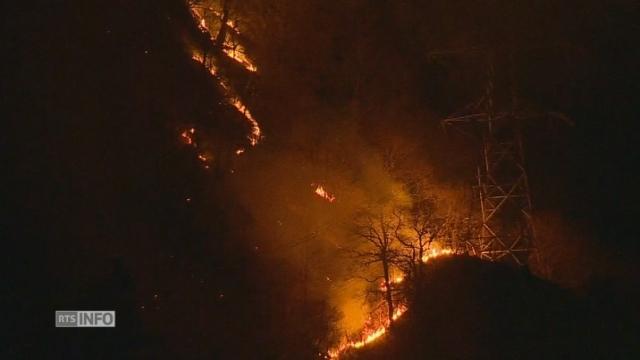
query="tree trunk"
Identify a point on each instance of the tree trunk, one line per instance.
(419, 262)
(222, 34)
(387, 284)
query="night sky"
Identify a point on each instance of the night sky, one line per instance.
(107, 206)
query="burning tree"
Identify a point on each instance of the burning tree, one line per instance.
(381, 232)
(423, 227)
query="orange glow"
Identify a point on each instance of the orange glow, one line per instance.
(237, 53)
(256, 133)
(230, 23)
(320, 191)
(197, 57)
(369, 335)
(395, 280)
(233, 50)
(239, 151)
(187, 136)
(434, 253)
(200, 58)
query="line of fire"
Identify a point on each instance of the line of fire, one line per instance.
(312, 179)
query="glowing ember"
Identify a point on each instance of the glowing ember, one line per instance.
(187, 136)
(239, 151)
(197, 57)
(320, 191)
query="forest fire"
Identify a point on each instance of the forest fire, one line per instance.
(320, 191)
(231, 48)
(372, 333)
(256, 133)
(236, 52)
(313, 179)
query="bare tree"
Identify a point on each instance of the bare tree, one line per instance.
(381, 233)
(424, 227)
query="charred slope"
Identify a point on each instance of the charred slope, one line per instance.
(470, 309)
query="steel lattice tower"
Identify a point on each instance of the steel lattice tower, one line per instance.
(506, 230)
(503, 190)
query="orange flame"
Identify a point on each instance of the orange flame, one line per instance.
(256, 133)
(237, 53)
(320, 191)
(368, 335)
(187, 136)
(434, 253)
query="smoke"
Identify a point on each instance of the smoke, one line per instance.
(340, 110)
(276, 184)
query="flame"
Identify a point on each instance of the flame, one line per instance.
(230, 23)
(187, 136)
(237, 53)
(197, 57)
(320, 191)
(369, 335)
(395, 280)
(256, 133)
(213, 70)
(434, 253)
(233, 50)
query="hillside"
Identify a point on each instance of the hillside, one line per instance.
(469, 309)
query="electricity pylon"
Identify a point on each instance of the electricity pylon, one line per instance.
(506, 228)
